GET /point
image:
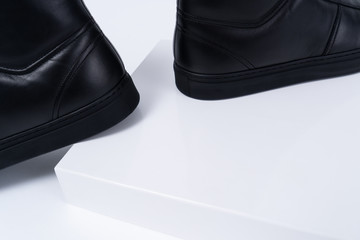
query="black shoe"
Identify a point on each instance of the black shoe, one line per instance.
(231, 48)
(60, 79)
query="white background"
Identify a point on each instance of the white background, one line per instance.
(31, 201)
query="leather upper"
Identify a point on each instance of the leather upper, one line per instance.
(31, 28)
(75, 71)
(347, 30)
(228, 10)
(233, 36)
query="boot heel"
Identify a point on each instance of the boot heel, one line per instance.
(182, 81)
(187, 83)
(111, 109)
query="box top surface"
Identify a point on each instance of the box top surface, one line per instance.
(289, 156)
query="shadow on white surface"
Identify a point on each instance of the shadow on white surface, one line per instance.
(34, 169)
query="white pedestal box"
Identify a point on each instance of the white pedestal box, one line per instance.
(279, 165)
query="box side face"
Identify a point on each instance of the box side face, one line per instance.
(167, 214)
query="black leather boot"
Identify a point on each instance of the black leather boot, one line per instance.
(231, 48)
(60, 79)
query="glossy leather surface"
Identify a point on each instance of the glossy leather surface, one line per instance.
(31, 28)
(228, 10)
(216, 37)
(78, 69)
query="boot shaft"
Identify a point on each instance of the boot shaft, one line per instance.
(31, 28)
(213, 46)
(235, 11)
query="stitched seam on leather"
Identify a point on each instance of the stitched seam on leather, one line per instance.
(343, 4)
(71, 74)
(267, 17)
(246, 63)
(268, 69)
(55, 50)
(334, 31)
(116, 90)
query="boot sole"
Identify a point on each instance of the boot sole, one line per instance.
(94, 118)
(224, 86)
